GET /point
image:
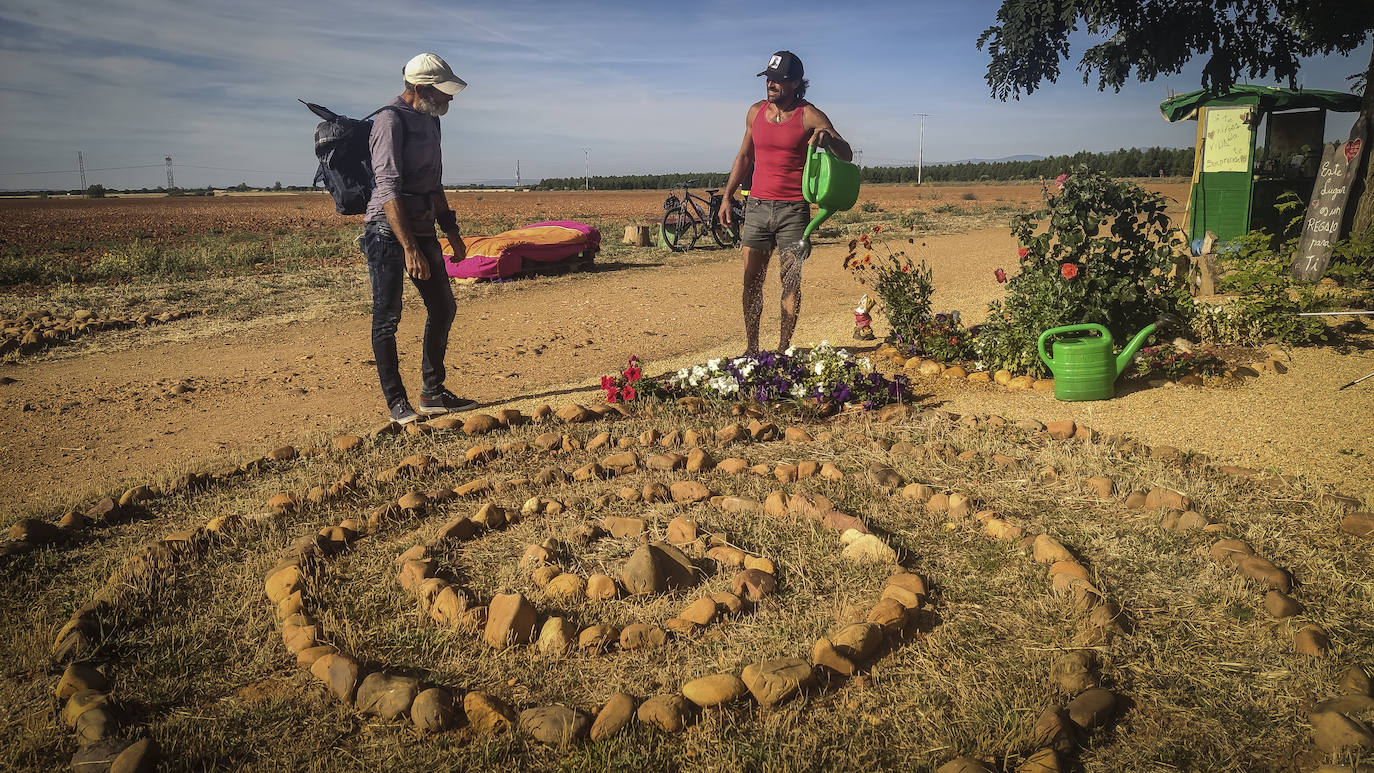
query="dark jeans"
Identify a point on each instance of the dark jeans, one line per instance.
(386, 267)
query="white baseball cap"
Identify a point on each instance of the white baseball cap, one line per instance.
(430, 70)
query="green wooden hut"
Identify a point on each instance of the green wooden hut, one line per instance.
(1233, 190)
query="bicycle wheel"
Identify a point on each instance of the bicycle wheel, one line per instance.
(724, 236)
(679, 229)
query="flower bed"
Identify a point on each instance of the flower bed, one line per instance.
(822, 377)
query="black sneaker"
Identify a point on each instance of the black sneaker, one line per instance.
(445, 402)
(402, 413)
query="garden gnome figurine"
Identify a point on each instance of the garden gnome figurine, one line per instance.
(863, 322)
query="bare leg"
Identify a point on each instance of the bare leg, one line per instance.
(789, 270)
(755, 268)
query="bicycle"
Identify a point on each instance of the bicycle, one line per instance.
(687, 219)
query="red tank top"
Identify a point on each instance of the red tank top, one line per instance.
(779, 154)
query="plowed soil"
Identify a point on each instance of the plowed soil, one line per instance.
(74, 427)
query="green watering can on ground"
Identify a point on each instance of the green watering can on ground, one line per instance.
(1084, 366)
(832, 184)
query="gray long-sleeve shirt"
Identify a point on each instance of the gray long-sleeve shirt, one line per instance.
(407, 161)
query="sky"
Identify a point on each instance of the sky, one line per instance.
(610, 86)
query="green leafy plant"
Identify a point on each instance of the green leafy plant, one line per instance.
(905, 288)
(1269, 298)
(1169, 362)
(1101, 251)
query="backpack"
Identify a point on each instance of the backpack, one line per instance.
(341, 145)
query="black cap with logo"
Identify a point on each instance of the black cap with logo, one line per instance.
(783, 66)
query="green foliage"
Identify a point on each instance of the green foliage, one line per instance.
(1101, 251)
(1169, 362)
(869, 206)
(1238, 37)
(904, 289)
(1270, 299)
(96, 191)
(1352, 261)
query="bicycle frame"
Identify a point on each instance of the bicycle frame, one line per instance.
(702, 215)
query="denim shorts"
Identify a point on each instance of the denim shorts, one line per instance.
(768, 223)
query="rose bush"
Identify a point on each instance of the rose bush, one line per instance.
(1101, 250)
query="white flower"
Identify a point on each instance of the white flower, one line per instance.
(844, 355)
(820, 368)
(791, 351)
(713, 364)
(798, 390)
(746, 369)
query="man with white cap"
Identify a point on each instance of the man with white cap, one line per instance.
(399, 233)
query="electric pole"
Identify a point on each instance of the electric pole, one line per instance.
(517, 173)
(586, 169)
(81, 165)
(858, 157)
(170, 184)
(921, 154)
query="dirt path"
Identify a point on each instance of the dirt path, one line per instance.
(74, 428)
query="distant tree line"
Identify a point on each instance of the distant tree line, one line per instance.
(635, 182)
(1126, 162)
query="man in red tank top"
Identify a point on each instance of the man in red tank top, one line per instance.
(778, 133)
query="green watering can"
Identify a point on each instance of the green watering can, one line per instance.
(832, 184)
(1083, 365)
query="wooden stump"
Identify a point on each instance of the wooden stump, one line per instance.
(637, 235)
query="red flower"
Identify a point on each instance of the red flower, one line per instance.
(612, 394)
(878, 228)
(1001, 276)
(906, 269)
(1060, 180)
(633, 373)
(954, 340)
(1069, 270)
(628, 393)
(607, 383)
(1023, 252)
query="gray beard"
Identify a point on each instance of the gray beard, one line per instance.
(430, 107)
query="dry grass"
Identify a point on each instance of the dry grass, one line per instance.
(1213, 684)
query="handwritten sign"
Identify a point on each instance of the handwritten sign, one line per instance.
(1322, 226)
(1229, 140)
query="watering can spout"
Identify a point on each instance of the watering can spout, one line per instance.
(1124, 359)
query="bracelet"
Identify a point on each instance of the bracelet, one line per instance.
(448, 221)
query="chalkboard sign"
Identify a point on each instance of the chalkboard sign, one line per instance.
(1321, 228)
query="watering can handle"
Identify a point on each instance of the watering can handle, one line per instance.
(809, 180)
(1093, 326)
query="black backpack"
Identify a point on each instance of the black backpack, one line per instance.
(341, 145)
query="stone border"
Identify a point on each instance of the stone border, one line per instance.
(510, 619)
(80, 635)
(45, 330)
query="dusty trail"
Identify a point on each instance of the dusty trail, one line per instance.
(73, 428)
